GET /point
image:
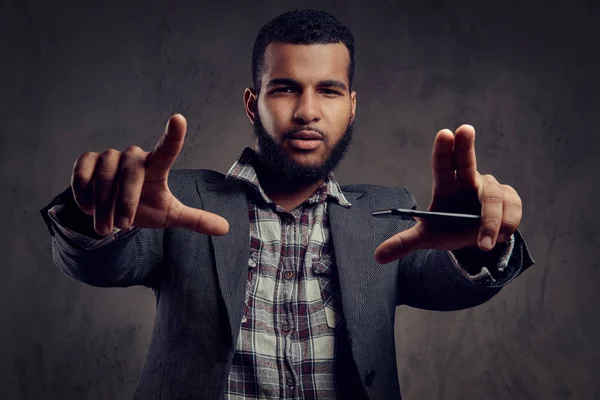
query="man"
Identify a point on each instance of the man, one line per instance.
(273, 281)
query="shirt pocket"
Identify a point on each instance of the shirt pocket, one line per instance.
(324, 270)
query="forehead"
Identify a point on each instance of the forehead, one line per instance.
(306, 63)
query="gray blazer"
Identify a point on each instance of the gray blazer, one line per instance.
(199, 282)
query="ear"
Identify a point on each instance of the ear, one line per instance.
(251, 104)
(353, 100)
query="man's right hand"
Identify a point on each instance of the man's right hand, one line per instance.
(129, 188)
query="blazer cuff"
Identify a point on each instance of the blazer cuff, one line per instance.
(485, 276)
(60, 222)
(79, 240)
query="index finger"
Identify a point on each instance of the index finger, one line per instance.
(464, 154)
(441, 162)
(167, 149)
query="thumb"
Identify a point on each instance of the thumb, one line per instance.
(402, 244)
(200, 221)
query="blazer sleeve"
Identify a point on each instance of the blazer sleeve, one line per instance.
(430, 279)
(125, 258)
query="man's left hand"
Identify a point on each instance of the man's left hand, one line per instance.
(459, 187)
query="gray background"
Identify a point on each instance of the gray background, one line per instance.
(80, 76)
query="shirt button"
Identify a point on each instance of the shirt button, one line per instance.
(288, 275)
(290, 382)
(285, 328)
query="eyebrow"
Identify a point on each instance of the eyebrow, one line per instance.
(292, 82)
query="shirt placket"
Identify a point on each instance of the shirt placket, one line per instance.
(287, 274)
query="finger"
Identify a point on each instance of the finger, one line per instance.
(131, 181)
(464, 154)
(197, 220)
(104, 190)
(167, 149)
(402, 244)
(81, 181)
(491, 198)
(512, 213)
(441, 162)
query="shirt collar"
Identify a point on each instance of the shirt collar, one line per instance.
(243, 169)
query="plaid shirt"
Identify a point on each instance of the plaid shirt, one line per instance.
(286, 345)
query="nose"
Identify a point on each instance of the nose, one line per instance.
(307, 109)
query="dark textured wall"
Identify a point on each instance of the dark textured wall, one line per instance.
(79, 76)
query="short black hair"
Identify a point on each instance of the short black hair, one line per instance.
(300, 27)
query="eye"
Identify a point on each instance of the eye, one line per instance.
(285, 89)
(330, 92)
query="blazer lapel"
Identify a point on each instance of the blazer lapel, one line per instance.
(228, 199)
(349, 228)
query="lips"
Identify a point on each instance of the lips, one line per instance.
(306, 135)
(305, 140)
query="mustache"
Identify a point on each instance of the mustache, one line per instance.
(288, 134)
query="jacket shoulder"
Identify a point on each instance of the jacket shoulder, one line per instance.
(182, 175)
(184, 183)
(383, 196)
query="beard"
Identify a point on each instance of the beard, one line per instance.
(280, 167)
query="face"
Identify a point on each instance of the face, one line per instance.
(304, 113)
